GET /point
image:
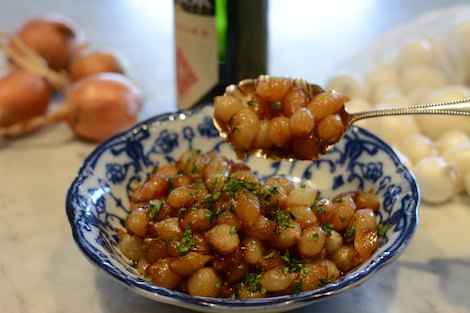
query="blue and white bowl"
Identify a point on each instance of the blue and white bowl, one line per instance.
(97, 201)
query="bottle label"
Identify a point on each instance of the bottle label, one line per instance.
(196, 51)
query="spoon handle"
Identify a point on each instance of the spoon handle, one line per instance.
(457, 107)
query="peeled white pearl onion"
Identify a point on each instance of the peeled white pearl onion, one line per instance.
(384, 92)
(393, 129)
(436, 178)
(357, 105)
(382, 74)
(433, 125)
(421, 78)
(459, 157)
(460, 34)
(404, 159)
(349, 86)
(398, 102)
(451, 139)
(417, 147)
(467, 183)
(452, 59)
(416, 52)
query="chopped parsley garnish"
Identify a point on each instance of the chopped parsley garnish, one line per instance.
(154, 208)
(304, 271)
(181, 212)
(209, 200)
(314, 237)
(231, 207)
(234, 184)
(297, 286)
(214, 181)
(342, 219)
(294, 264)
(323, 281)
(212, 216)
(186, 243)
(233, 230)
(252, 283)
(195, 170)
(266, 195)
(328, 228)
(320, 209)
(232, 296)
(216, 195)
(382, 229)
(252, 103)
(282, 218)
(171, 185)
(270, 255)
(350, 231)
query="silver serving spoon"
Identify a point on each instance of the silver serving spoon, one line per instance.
(456, 107)
(245, 89)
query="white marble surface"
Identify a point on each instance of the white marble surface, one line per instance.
(41, 269)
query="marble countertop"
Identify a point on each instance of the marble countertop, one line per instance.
(41, 269)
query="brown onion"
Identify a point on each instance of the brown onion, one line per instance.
(56, 38)
(102, 105)
(95, 108)
(90, 63)
(23, 96)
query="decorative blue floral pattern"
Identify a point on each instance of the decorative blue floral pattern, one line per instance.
(166, 142)
(116, 173)
(97, 201)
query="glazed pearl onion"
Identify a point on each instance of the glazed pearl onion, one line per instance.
(301, 123)
(301, 197)
(348, 85)
(451, 139)
(437, 180)
(417, 147)
(393, 129)
(204, 283)
(246, 125)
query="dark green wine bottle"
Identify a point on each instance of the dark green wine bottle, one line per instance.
(217, 43)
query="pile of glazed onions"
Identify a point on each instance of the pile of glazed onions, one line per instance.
(49, 56)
